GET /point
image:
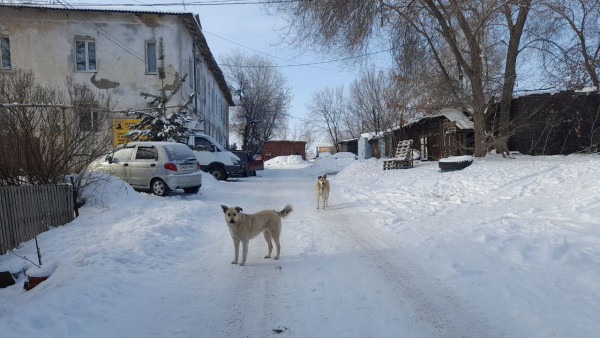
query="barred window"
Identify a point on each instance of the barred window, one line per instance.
(87, 112)
(4, 53)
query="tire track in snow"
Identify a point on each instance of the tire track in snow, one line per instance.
(438, 311)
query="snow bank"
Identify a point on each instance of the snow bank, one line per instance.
(292, 161)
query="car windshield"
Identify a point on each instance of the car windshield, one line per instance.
(179, 152)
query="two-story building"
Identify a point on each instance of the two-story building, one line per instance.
(121, 52)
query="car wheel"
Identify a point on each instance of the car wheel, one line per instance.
(218, 173)
(159, 187)
(191, 190)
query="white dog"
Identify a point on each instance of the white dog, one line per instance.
(244, 227)
(322, 190)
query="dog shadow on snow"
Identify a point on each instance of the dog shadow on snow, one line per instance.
(336, 206)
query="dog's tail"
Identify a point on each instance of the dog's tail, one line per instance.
(285, 211)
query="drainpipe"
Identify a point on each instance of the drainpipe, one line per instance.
(195, 78)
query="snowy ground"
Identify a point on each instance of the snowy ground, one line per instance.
(502, 248)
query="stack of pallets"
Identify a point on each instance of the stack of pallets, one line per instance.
(403, 157)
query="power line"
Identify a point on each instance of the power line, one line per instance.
(113, 39)
(312, 63)
(261, 52)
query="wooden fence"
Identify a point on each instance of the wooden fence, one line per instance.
(27, 211)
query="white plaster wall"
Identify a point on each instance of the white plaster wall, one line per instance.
(43, 40)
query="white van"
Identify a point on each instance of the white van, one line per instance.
(214, 158)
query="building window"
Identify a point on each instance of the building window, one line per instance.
(87, 113)
(85, 54)
(4, 53)
(151, 65)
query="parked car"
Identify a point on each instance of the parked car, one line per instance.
(214, 158)
(251, 163)
(158, 167)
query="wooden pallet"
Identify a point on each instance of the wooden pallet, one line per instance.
(402, 158)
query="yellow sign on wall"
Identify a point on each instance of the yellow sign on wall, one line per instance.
(120, 128)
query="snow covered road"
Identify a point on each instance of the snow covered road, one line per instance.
(338, 276)
(502, 248)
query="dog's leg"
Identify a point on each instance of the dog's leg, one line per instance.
(244, 252)
(269, 244)
(275, 235)
(318, 197)
(236, 247)
(325, 199)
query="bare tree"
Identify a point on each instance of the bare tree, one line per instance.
(569, 41)
(458, 37)
(376, 102)
(48, 135)
(262, 98)
(327, 109)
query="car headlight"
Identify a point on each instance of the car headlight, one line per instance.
(235, 161)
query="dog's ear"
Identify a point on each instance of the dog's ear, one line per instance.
(324, 177)
(238, 209)
(224, 207)
(320, 177)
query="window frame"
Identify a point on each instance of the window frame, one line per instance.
(146, 53)
(86, 42)
(83, 108)
(2, 60)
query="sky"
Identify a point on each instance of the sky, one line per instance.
(502, 248)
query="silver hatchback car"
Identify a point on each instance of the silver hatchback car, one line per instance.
(155, 166)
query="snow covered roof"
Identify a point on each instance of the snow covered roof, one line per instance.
(453, 114)
(461, 119)
(554, 91)
(95, 8)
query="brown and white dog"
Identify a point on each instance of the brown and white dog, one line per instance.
(244, 227)
(322, 190)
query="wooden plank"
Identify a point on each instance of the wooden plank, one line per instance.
(69, 207)
(13, 218)
(51, 207)
(24, 228)
(28, 211)
(3, 222)
(64, 210)
(38, 205)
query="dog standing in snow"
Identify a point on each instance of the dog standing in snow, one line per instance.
(244, 227)
(322, 190)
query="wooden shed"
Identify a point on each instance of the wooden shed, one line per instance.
(350, 146)
(448, 132)
(554, 123)
(283, 148)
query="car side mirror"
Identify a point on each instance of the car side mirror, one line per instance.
(212, 148)
(109, 159)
